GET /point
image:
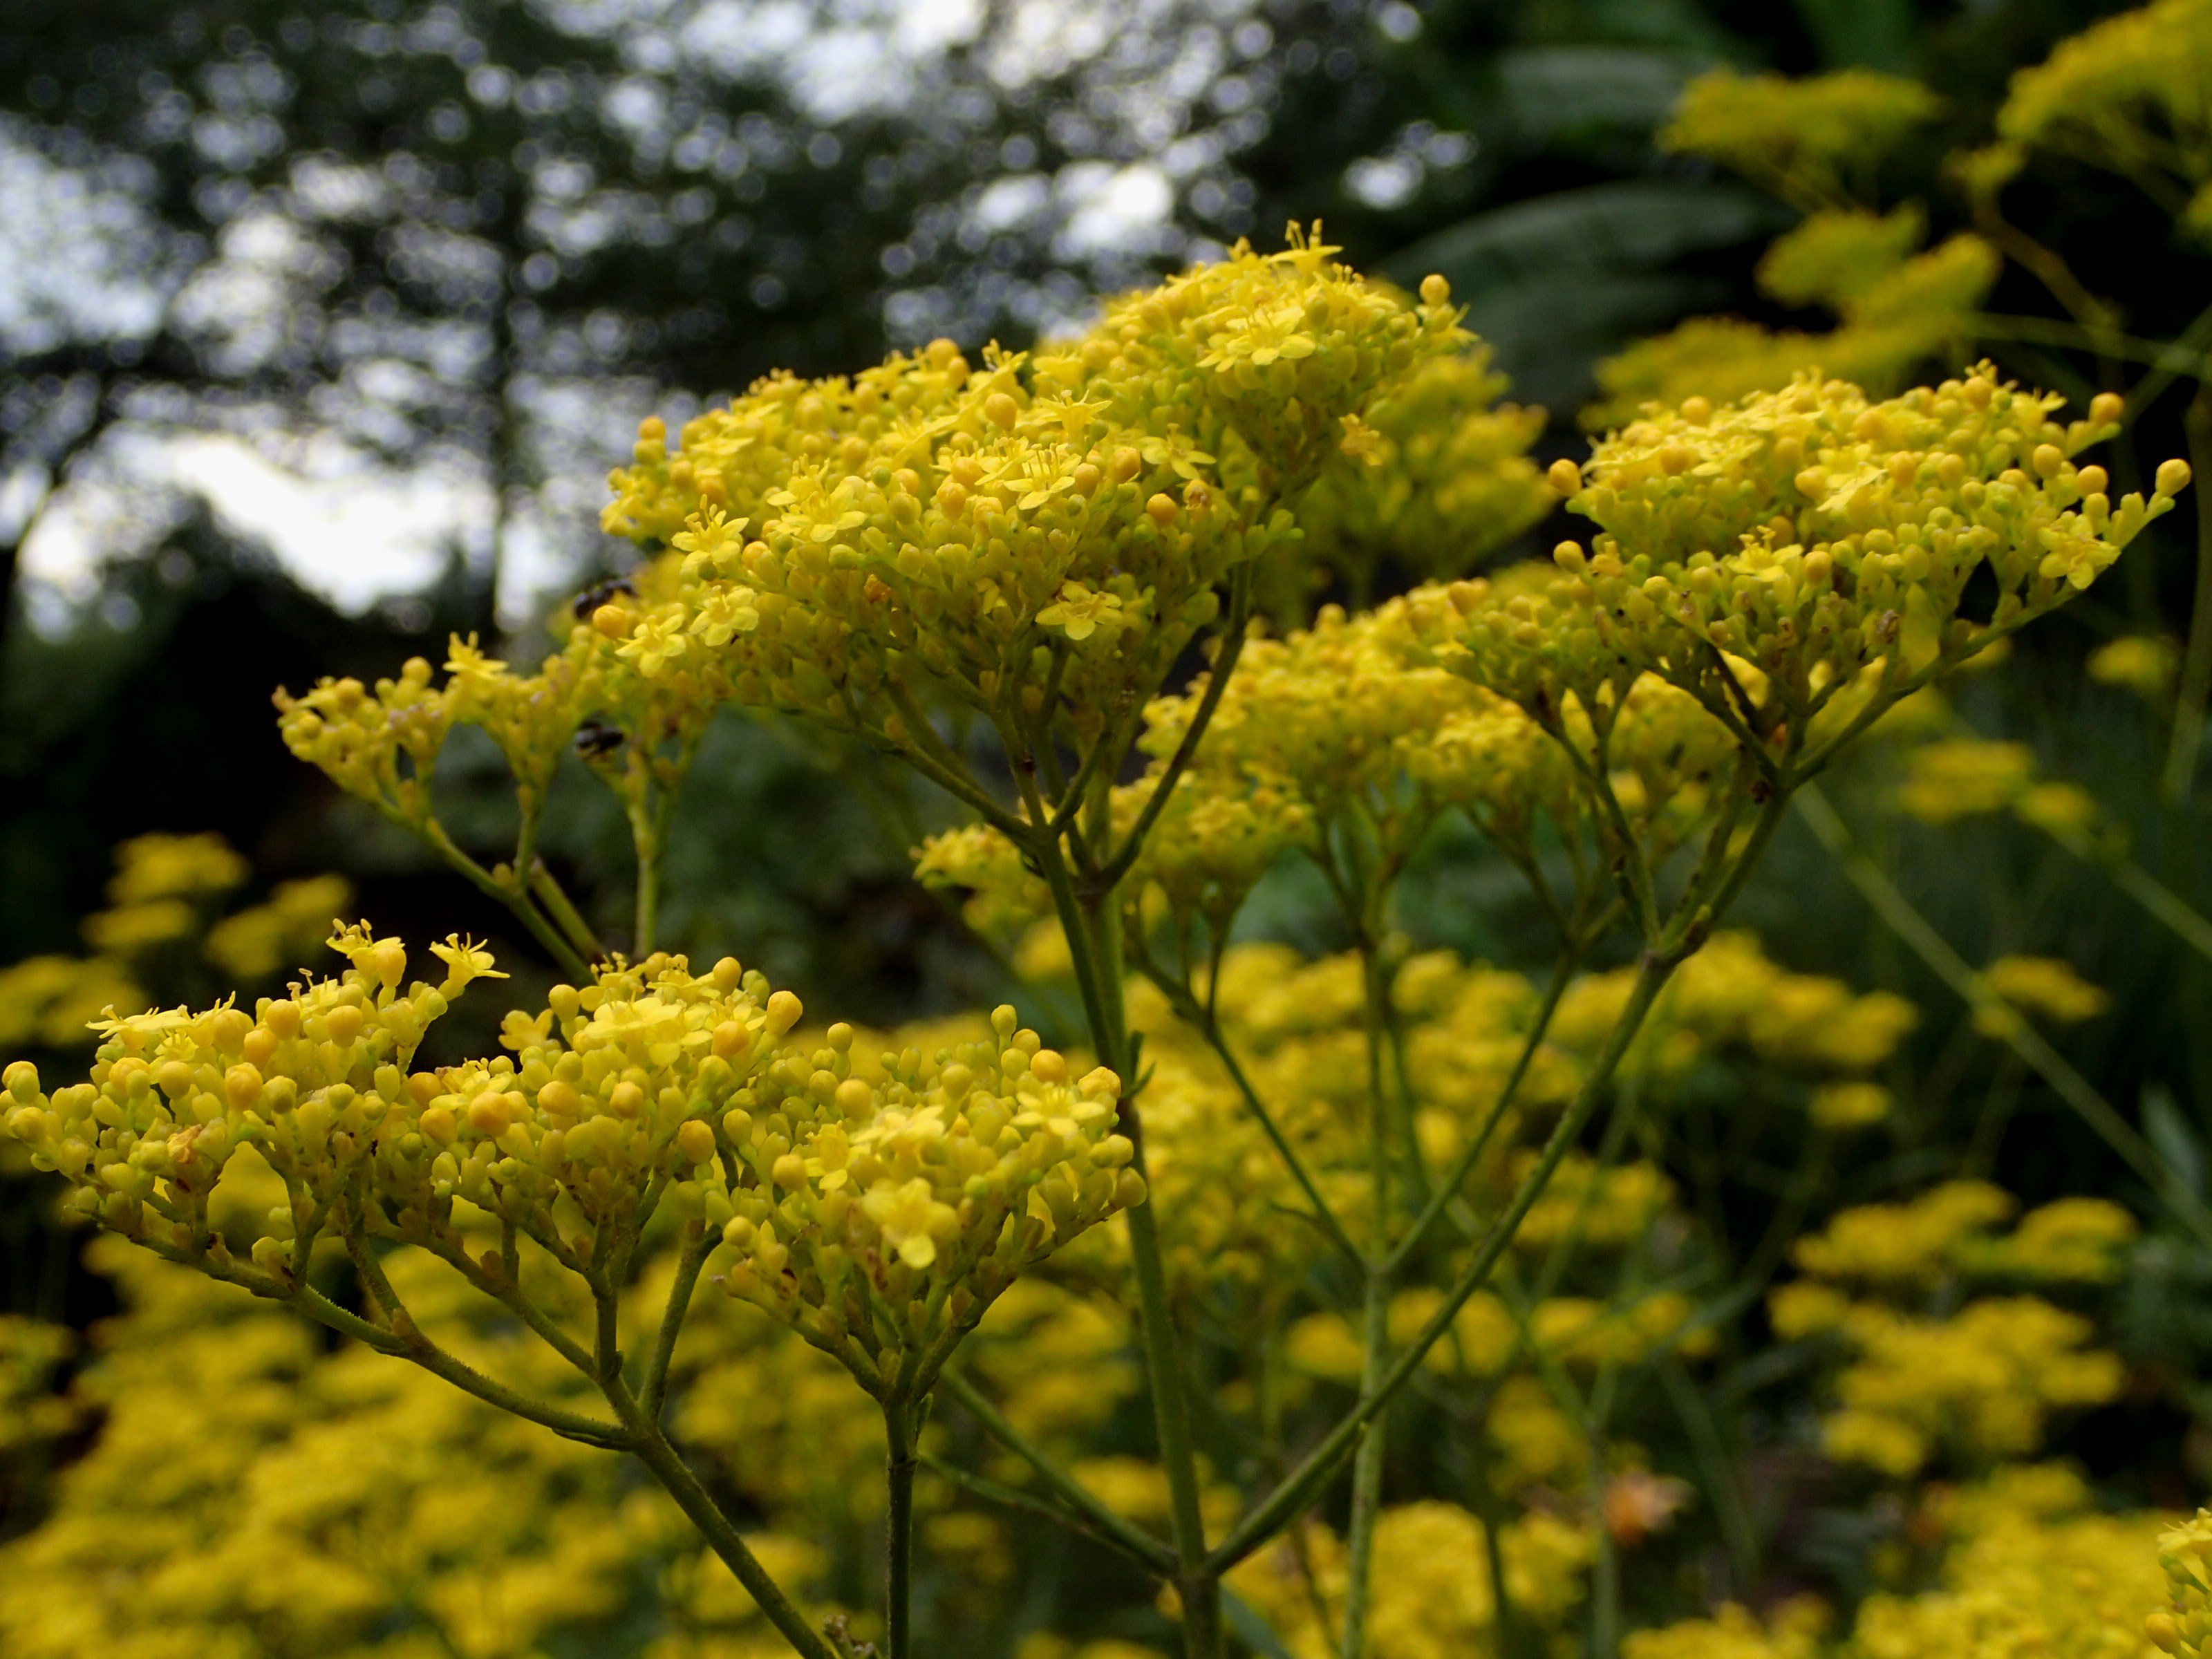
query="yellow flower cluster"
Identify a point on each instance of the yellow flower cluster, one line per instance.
(51, 1001)
(2027, 1568)
(1955, 778)
(2184, 1625)
(30, 1413)
(158, 897)
(1732, 995)
(2142, 663)
(1820, 540)
(1979, 1380)
(2127, 95)
(1813, 141)
(381, 743)
(1793, 1632)
(1049, 527)
(257, 942)
(927, 1189)
(2042, 986)
(2028, 1571)
(1432, 1595)
(1445, 482)
(334, 1506)
(934, 1185)
(1896, 307)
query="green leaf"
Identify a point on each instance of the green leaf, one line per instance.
(1547, 93)
(1610, 226)
(1251, 1628)
(2178, 1147)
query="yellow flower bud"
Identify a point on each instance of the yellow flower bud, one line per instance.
(242, 1083)
(387, 960)
(2172, 477)
(1564, 477)
(695, 1140)
(488, 1114)
(437, 1124)
(783, 1012)
(1435, 290)
(2107, 408)
(21, 1079)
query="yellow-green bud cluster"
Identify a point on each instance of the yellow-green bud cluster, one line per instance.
(314, 1081)
(2184, 1626)
(1058, 520)
(1806, 534)
(880, 1215)
(1811, 141)
(1438, 476)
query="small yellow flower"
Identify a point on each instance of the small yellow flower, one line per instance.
(910, 1219)
(1079, 613)
(466, 960)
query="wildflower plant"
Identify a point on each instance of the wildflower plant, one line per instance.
(989, 569)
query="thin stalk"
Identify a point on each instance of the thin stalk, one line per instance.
(676, 1477)
(510, 894)
(1722, 1485)
(1367, 1462)
(1948, 965)
(1217, 683)
(698, 1242)
(1448, 1189)
(1504, 1616)
(1095, 934)
(1124, 1534)
(1367, 1471)
(1162, 1563)
(898, 1561)
(1210, 1028)
(563, 911)
(2197, 661)
(1298, 1489)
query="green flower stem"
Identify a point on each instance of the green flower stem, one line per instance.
(1299, 1488)
(898, 1527)
(1124, 1534)
(1098, 937)
(1160, 1560)
(1948, 965)
(1723, 1484)
(1367, 1468)
(1375, 1329)
(698, 1240)
(1448, 1189)
(405, 1340)
(563, 911)
(2183, 919)
(512, 894)
(675, 1475)
(1217, 683)
(1202, 1019)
